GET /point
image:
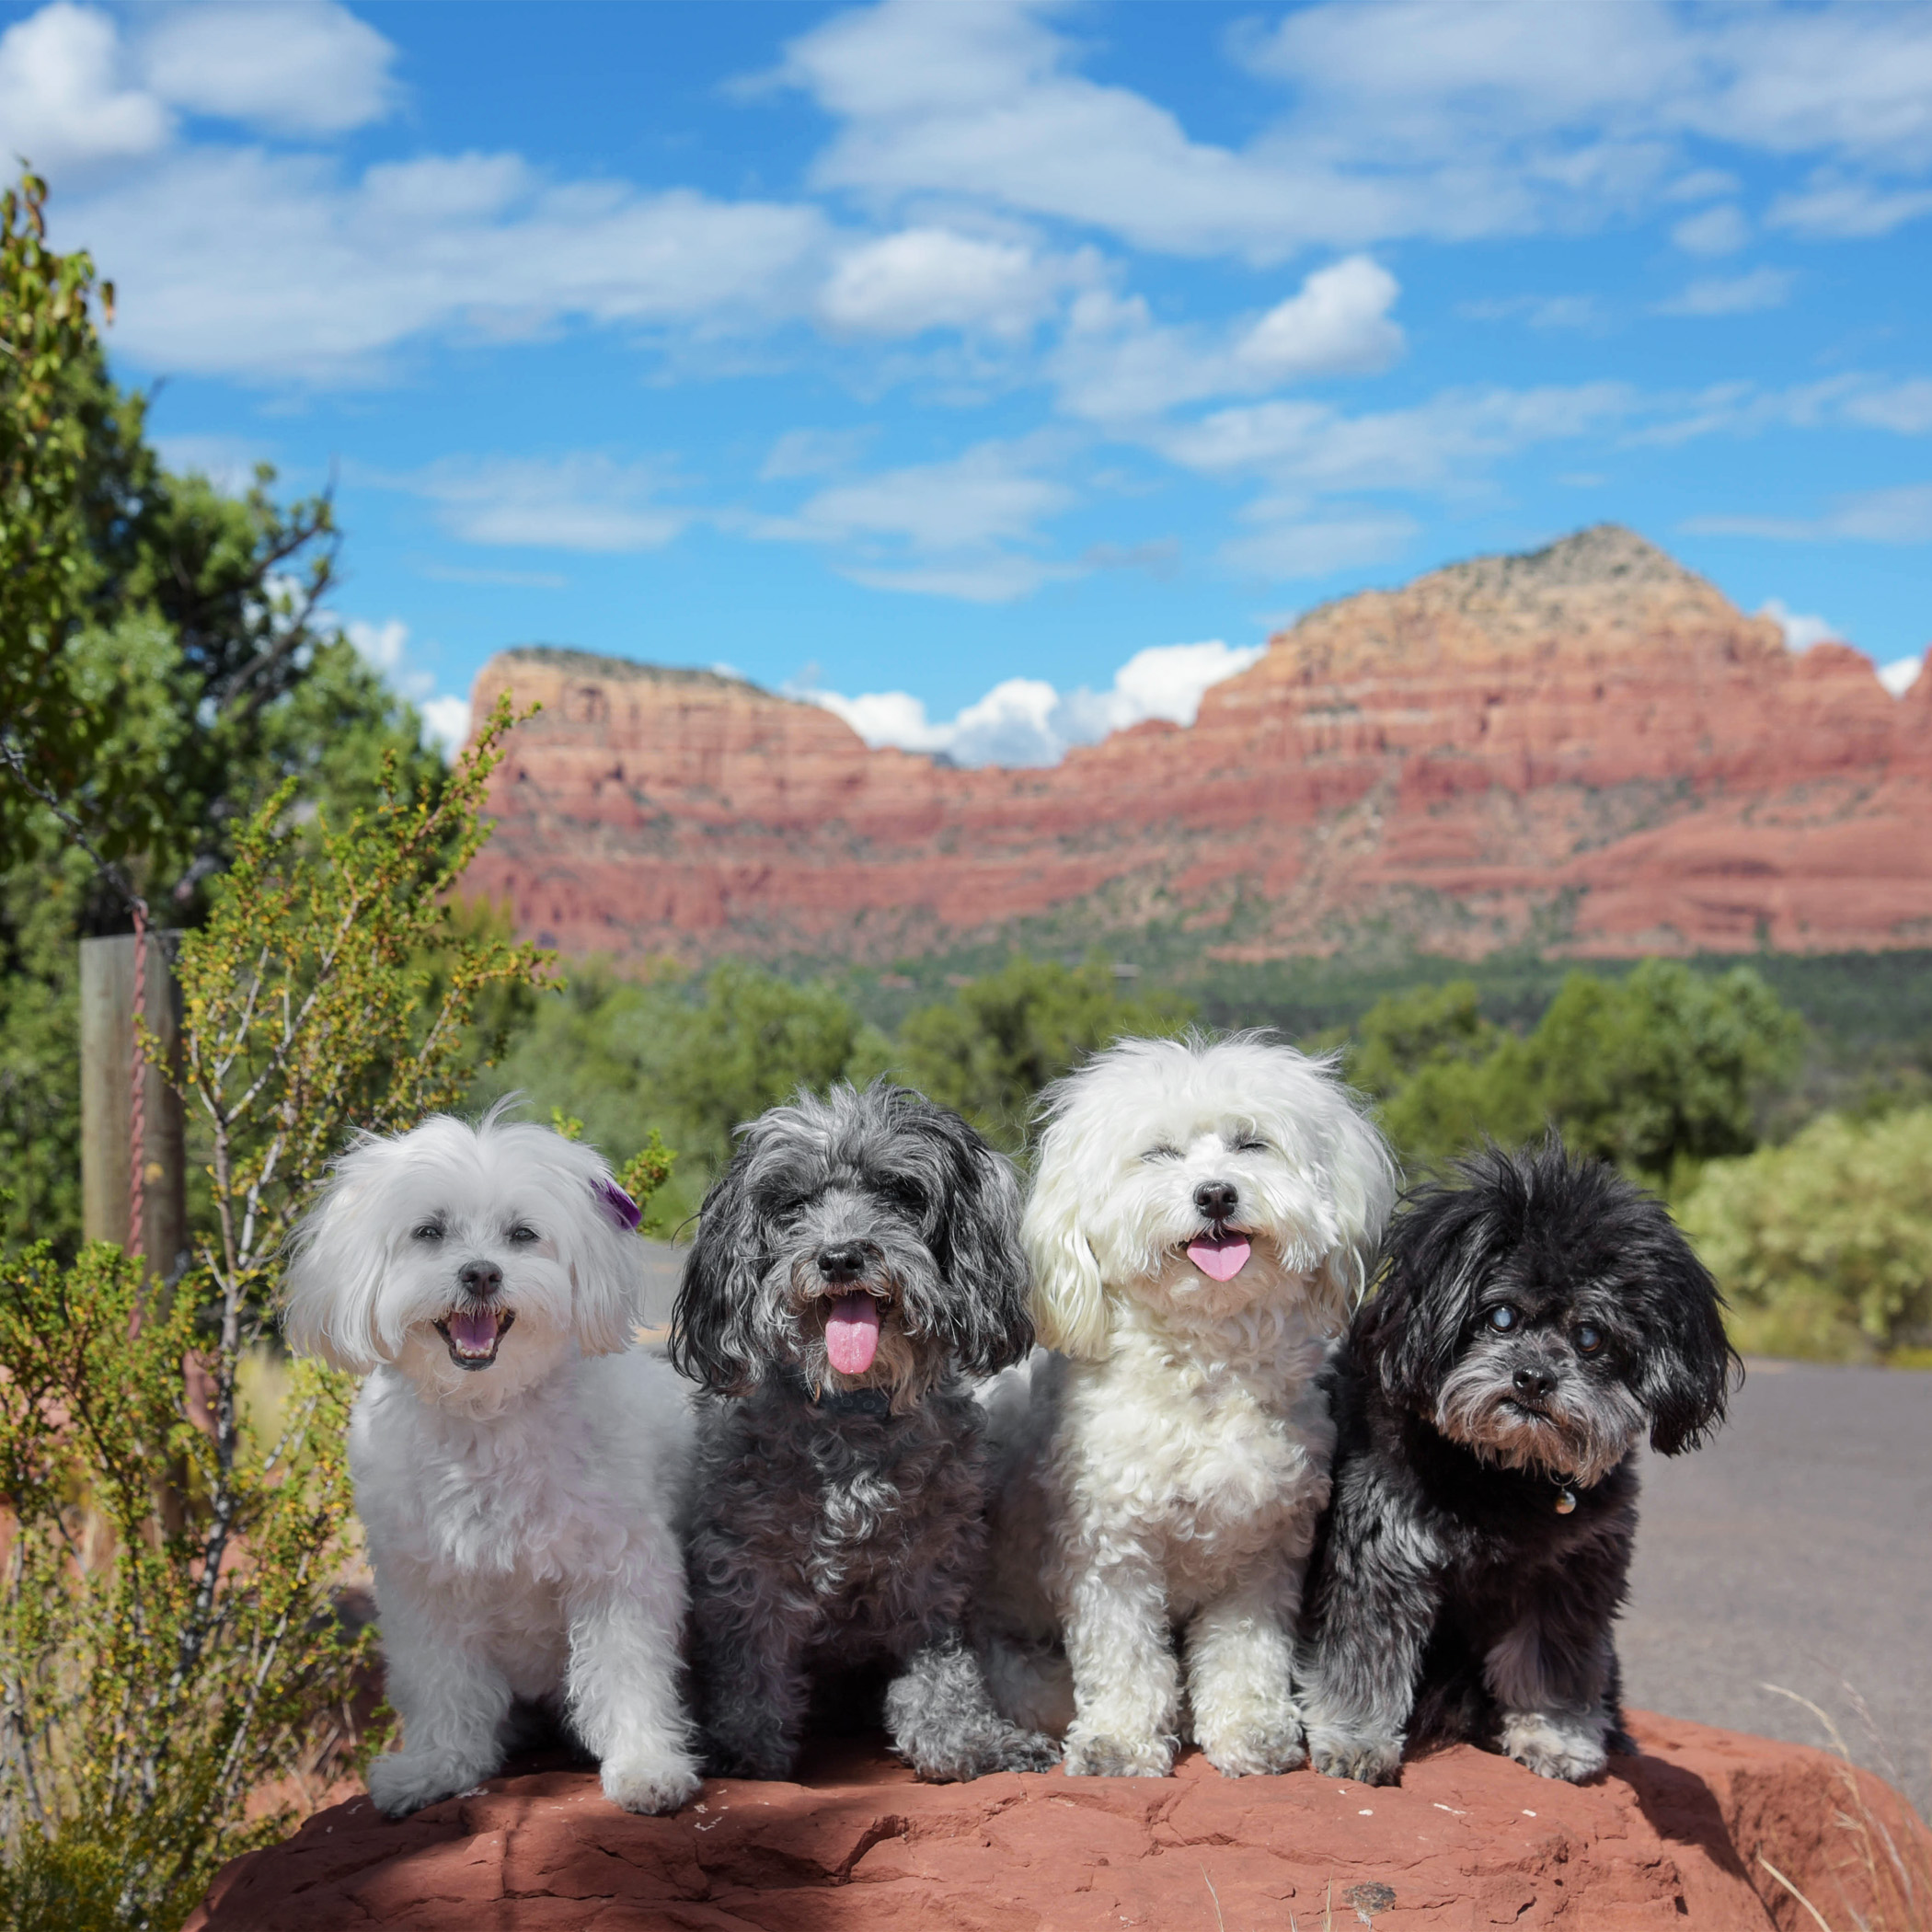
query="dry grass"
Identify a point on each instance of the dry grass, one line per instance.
(1897, 1881)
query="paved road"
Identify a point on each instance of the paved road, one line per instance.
(1797, 1550)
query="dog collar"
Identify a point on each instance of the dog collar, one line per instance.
(872, 1402)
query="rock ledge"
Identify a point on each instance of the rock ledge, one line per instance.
(1681, 1835)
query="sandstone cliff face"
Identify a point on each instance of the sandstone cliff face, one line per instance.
(1588, 745)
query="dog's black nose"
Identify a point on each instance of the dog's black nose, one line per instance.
(1533, 1384)
(481, 1278)
(1217, 1199)
(844, 1263)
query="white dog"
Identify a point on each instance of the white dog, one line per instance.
(1202, 1219)
(519, 1467)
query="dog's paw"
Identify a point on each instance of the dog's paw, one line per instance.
(401, 1781)
(1361, 1759)
(1560, 1745)
(1257, 1750)
(1027, 1750)
(650, 1784)
(1092, 1754)
(993, 1747)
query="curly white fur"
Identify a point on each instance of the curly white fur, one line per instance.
(521, 1510)
(1167, 1474)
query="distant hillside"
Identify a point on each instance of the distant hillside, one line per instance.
(1587, 750)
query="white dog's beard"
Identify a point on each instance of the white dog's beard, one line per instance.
(473, 1336)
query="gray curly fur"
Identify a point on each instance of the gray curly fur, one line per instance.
(839, 1521)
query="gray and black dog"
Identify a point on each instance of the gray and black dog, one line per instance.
(1536, 1321)
(857, 1268)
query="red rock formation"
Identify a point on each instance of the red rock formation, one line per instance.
(1589, 744)
(1684, 1835)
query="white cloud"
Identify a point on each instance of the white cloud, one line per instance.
(64, 102)
(1801, 631)
(259, 266)
(921, 279)
(584, 502)
(1025, 722)
(385, 647)
(1835, 209)
(811, 453)
(380, 646)
(1899, 677)
(1117, 364)
(968, 527)
(445, 722)
(988, 495)
(1902, 515)
(300, 69)
(1441, 118)
(1721, 230)
(1437, 444)
(1731, 295)
(1538, 311)
(1287, 543)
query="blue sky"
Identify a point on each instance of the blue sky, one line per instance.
(1002, 373)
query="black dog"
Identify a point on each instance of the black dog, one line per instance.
(1532, 1324)
(856, 1269)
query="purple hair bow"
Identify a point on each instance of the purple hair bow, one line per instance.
(618, 1205)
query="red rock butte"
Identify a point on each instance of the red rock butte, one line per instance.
(1588, 748)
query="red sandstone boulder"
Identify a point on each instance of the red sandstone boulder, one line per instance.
(1687, 1834)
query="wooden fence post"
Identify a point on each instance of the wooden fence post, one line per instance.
(106, 995)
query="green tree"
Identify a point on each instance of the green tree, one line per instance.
(754, 1041)
(1663, 1068)
(1823, 1246)
(989, 1050)
(166, 662)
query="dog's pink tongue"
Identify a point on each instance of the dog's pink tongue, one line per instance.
(473, 1330)
(1222, 1256)
(852, 1333)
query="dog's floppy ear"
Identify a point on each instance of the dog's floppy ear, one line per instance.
(1438, 1251)
(602, 1251)
(711, 1339)
(991, 1328)
(1685, 1374)
(338, 1257)
(1362, 1184)
(1069, 1297)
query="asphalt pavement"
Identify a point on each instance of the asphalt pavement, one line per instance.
(1795, 1550)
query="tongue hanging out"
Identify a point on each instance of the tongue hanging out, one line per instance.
(1221, 1255)
(852, 1333)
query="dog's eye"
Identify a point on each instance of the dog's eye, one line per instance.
(1163, 1152)
(522, 1232)
(1502, 1318)
(1589, 1339)
(1252, 1143)
(430, 1231)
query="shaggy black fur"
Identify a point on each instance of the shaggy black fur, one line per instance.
(1533, 1323)
(839, 1521)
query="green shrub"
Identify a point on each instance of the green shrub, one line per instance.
(1824, 1244)
(1663, 1068)
(169, 1643)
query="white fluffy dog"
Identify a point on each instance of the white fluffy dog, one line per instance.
(1202, 1219)
(519, 1466)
